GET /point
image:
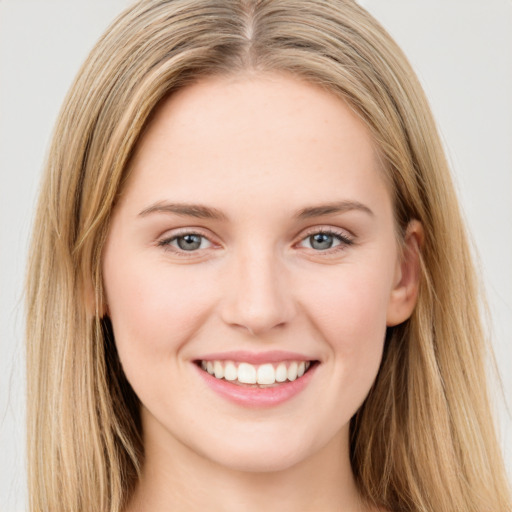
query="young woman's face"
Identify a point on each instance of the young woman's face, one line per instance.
(254, 237)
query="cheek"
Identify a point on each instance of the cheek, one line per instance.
(153, 310)
(352, 301)
(350, 313)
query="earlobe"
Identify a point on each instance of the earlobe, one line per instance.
(405, 291)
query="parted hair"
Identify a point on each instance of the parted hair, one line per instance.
(424, 439)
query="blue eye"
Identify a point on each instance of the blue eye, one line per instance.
(322, 241)
(187, 242)
(325, 240)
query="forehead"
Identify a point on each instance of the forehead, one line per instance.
(255, 135)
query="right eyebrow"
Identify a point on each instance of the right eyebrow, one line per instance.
(198, 211)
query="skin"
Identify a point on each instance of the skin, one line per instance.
(258, 149)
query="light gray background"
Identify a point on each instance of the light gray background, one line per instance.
(462, 51)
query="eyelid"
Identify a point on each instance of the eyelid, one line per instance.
(171, 235)
(330, 230)
(345, 237)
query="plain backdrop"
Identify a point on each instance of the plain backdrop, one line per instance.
(462, 52)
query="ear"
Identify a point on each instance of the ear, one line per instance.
(407, 276)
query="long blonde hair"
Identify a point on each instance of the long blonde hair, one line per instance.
(424, 439)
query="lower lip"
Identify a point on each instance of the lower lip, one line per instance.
(257, 397)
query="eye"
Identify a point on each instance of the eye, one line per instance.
(325, 240)
(186, 242)
(322, 241)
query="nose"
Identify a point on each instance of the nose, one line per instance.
(257, 296)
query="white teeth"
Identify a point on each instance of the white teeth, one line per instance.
(281, 373)
(230, 372)
(292, 371)
(218, 369)
(265, 374)
(246, 373)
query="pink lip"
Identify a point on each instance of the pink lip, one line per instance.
(273, 356)
(257, 397)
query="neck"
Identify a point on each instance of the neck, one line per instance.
(174, 477)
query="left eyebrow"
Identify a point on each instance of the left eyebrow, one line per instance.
(332, 208)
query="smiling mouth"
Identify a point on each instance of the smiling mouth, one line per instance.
(258, 376)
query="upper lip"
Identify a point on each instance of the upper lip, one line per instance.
(272, 356)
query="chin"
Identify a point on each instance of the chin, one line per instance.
(258, 462)
(257, 455)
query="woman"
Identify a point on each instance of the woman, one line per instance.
(242, 291)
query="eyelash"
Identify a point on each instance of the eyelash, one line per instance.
(342, 237)
(166, 242)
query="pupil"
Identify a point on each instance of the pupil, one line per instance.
(321, 241)
(189, 242)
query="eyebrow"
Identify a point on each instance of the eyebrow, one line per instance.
(198, 211)
(332, 208)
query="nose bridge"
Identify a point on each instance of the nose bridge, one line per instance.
(259, 298)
